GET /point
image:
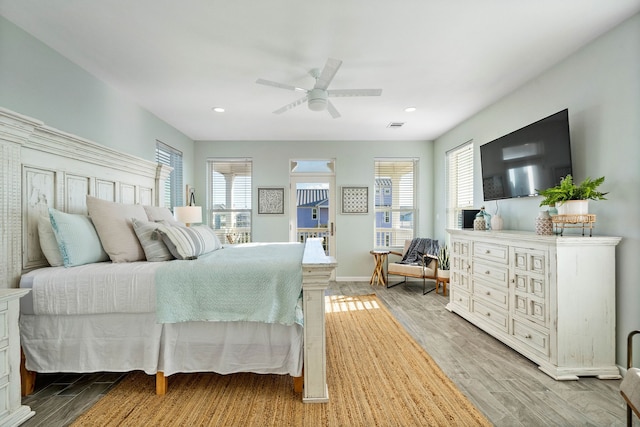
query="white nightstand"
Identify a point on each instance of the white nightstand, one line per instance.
(12, 412)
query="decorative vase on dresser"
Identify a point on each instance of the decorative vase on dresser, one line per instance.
(544, 296)
(12, 412)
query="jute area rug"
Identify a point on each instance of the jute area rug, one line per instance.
(376, 373)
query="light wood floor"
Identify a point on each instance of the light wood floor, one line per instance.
(506, 387)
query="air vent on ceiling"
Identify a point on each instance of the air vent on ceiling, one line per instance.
(395, 125)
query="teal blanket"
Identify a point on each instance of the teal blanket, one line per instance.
(252, 282)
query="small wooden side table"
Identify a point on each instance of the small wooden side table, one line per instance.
(444, 281)
(380, 258)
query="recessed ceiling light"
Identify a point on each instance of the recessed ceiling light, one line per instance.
(410, 109)
(218, 109)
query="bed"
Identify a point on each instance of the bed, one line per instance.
(109, 324)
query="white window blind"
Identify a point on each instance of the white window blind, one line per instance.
(395, 202)
(230, 199)
(459, 182)
(167, 155)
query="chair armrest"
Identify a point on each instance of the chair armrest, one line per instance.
(427, 259)
(395, 253)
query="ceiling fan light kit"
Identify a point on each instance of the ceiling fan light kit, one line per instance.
(317, 98)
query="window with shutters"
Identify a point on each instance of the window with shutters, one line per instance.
(167, 155)
(459, 164)
(395, 201)
(230, 199)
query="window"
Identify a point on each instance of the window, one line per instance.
(230, 199)
(314, 213)
(166, 155)
(459, 183)
(395, 205)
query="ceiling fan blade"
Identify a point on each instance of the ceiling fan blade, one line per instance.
(290, 106)
(332, 110)
(280, 85)
(354, 92)
(328, 72)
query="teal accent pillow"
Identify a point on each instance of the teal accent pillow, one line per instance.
(77, 239)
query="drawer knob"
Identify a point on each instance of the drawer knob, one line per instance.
(487, 272)
(488, 293)
(487, 251)
(488, 314)
(528, 336)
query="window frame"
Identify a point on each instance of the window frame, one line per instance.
(384, 168)
(459, 175)
(232, 233)
(170, 156)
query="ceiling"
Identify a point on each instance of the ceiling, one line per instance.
(448, 58)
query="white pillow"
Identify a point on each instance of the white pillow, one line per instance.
(151, 241)
(48, 242)
(156, 213)
(77, 239)
(113, 224)
(189, 242)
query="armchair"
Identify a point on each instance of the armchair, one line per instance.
(630, 386)
(419, 260)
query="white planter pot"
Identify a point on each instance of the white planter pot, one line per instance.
(443, 274)
(574, 207)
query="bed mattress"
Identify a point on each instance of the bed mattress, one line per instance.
(98, 288)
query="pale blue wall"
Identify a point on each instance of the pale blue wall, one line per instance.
(600, 85)
(38, 82)
(354, 167)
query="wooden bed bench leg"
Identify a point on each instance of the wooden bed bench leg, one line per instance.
(27, 378)
(298, 383)
(161, 384)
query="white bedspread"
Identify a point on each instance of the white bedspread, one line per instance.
(95, 288)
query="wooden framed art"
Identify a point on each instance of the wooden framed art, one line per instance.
(355, 200)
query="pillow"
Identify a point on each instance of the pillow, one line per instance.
(151, 241)
(156, 213)
(48, 242)
(189, 242)
(77, 239)
(113, 224)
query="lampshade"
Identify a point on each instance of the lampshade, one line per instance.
(188, 214)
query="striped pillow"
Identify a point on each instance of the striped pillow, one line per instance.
(152, 244)
(189, 242)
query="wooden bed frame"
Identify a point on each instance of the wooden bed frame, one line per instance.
(44, 167)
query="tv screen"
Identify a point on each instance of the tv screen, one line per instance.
(533, 158)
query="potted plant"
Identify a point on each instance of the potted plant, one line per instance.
(571, 198)
(443, 262)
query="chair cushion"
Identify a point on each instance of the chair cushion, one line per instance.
(630, 388)
(411, 270)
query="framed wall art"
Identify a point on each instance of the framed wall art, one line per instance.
(271, 200)
(355, 200)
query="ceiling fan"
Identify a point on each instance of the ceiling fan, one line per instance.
(317, 98)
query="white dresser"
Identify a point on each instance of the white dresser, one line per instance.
(12, 412)
(550, 298)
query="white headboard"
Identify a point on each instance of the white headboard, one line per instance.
(42, 167)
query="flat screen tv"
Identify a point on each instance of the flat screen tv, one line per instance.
(533, 158)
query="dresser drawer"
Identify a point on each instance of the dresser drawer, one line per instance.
(492, 315)
(534, 339)
(494, 295)
(494, 273)
(4, 326)
(491, 251)
(460, 299)
(529, 308)
(460, 280)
